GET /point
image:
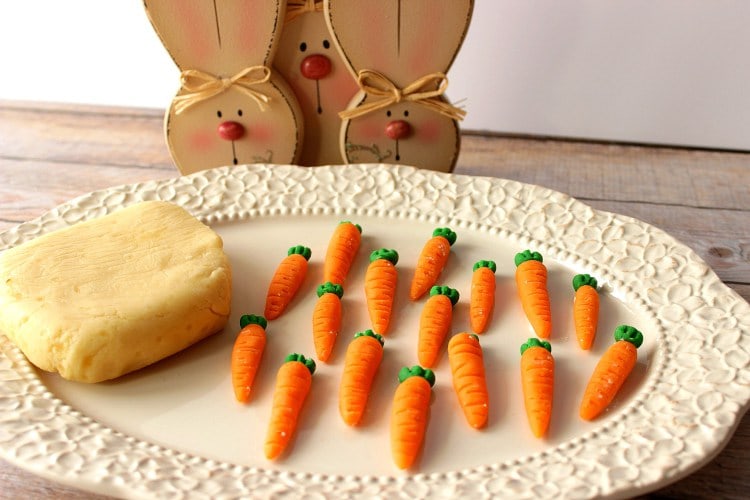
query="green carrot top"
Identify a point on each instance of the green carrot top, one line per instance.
(253, 319)
(580, 280)
(489, 264)
(416, 371)
(629, 334)
(329, 287)
(535, 342)
(300, 250)
(308, 362)
(522, 257)
(359, 228)
(446, 233)
(385, 253)
(370, 333)
(449, 292)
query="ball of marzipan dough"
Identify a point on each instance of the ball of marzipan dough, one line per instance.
(108, 296)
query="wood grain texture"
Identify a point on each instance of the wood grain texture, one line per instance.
(50, 153)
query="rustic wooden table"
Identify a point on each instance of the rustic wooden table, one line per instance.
(52, 153)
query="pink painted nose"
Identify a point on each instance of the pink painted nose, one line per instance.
(398, 129)
(230, 131)
(315, 66)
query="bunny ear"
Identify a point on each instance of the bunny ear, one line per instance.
(432, 32)
(358, 27)
(405, 39)
(220, 37)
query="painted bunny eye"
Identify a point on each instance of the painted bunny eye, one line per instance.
(218, 113)
(406, 113)
(302, 47)
(326, 44)
(239, 112)
(388, 113)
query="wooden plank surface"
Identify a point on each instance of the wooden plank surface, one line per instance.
(51, 153)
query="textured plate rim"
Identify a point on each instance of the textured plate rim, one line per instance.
(661, 434)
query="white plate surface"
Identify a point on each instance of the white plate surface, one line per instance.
(174, 429)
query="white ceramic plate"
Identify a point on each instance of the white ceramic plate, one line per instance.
(174, 429)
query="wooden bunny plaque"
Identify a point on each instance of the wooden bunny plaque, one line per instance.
(309, 61)
(232, 107)
(400, 51)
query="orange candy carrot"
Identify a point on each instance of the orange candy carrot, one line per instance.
(286, 281)
(409, 414)
(342, 249)
(585, 309)
(531, 282)
(326, 319)
(363, 357)
(293, 382)
(435, 324)
(482, 300)
(380, 288)
(611, 371)
(247, 354)
(469, 380)
(537, 378)
(431, 261)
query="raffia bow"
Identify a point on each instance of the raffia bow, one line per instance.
(425, 91)
(295, 8)
(199, 86)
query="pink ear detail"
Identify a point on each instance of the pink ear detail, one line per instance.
(203, 140)
(419, 59)
(374, 26)
(250, 29)
(197, 38)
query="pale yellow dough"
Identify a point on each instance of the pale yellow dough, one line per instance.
(108, 296)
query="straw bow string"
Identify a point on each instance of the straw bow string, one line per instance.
(199, 86)
(425, 91)
(295, 8)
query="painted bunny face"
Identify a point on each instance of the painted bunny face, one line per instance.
(311, 64)
(400, 50)
(402, 133)
(228, 129)
(232, 107)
